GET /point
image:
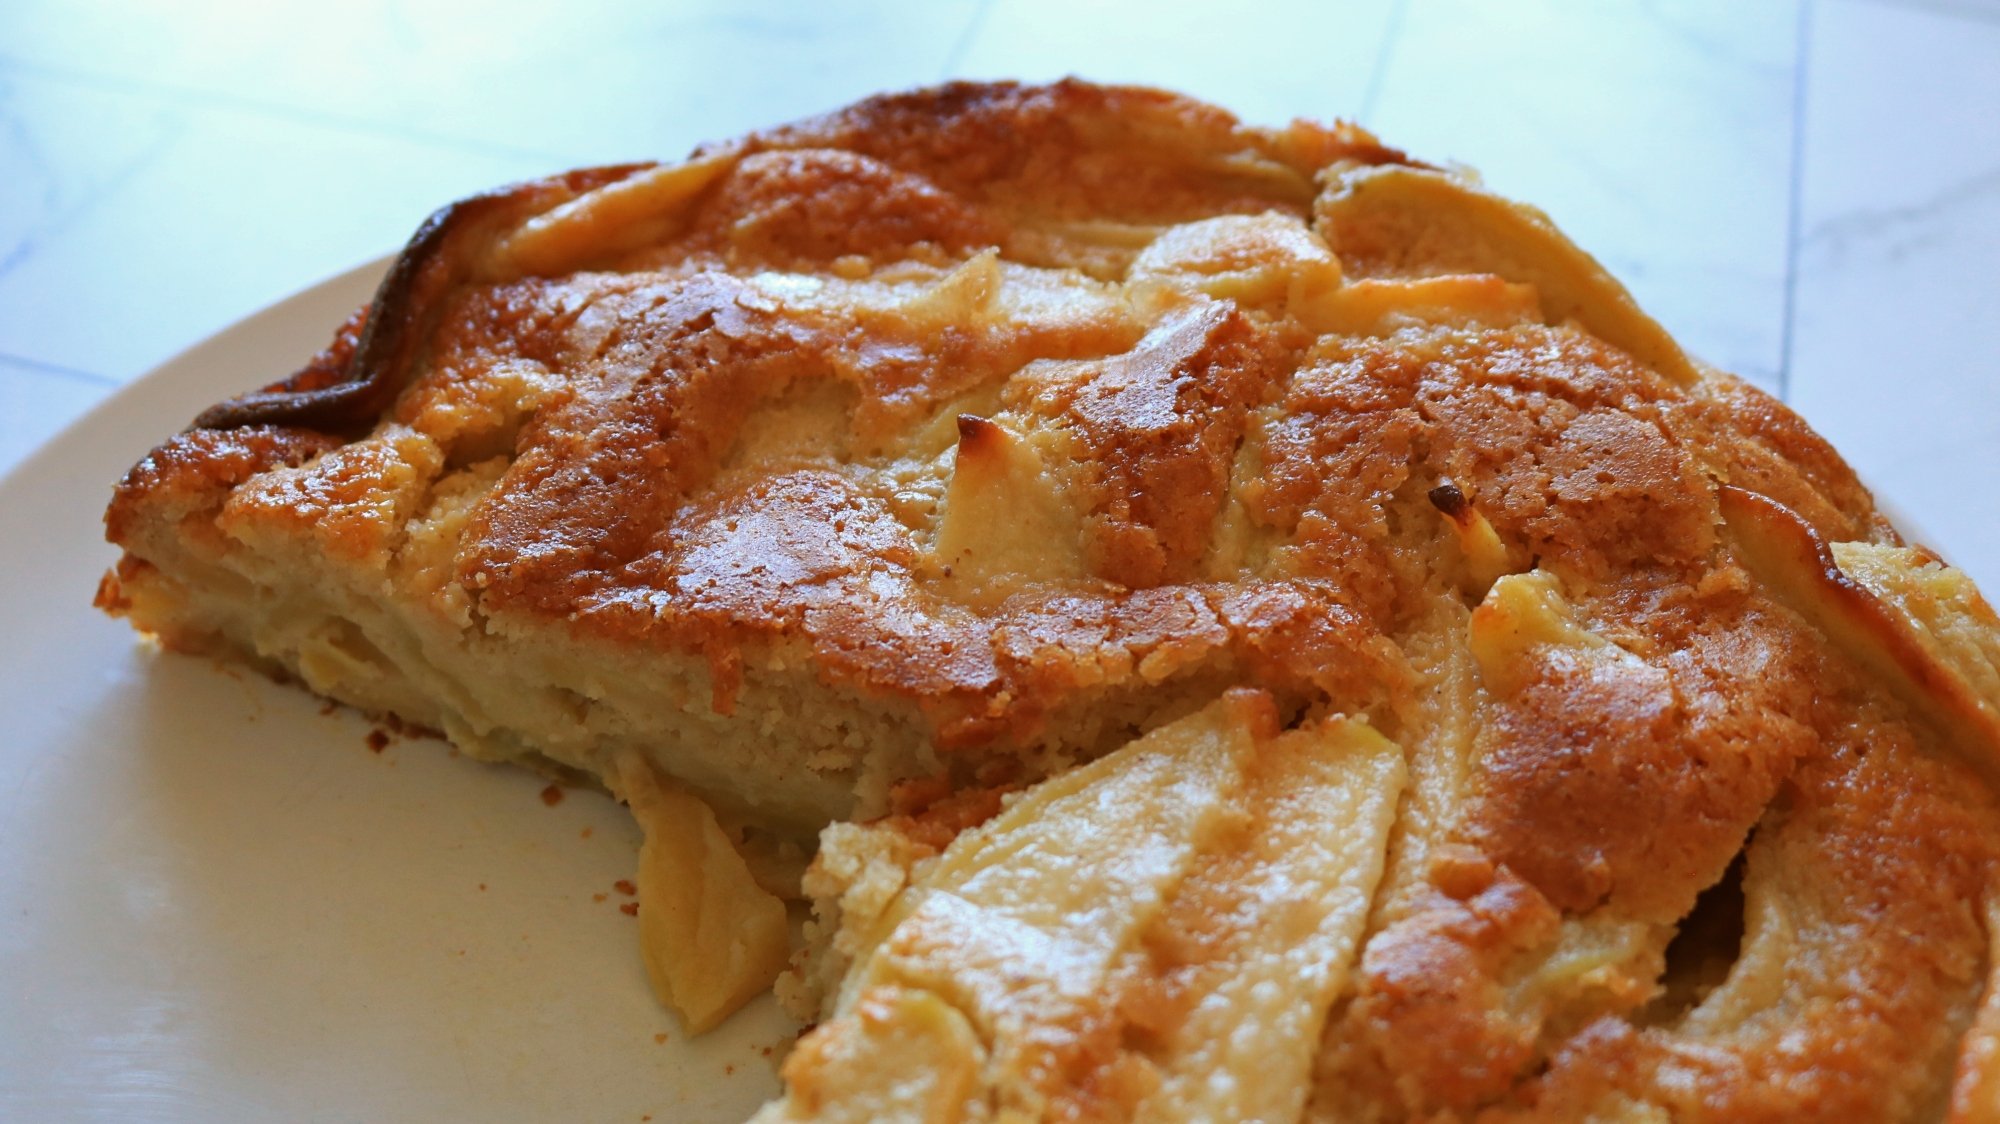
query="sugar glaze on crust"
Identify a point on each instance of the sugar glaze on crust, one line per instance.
(933, 447)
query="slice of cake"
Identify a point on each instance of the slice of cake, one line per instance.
(1278, 632)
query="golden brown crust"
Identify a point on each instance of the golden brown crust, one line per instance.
(1070, 149)
(810, 206)
(193, 472)
(1008, 406)
(1157, 429)
(374, 368)
(1888, 957)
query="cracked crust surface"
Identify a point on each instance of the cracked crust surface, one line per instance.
(955, 438)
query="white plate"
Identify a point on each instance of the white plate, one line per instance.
(216, 904)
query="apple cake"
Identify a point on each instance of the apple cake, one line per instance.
(1244, 624)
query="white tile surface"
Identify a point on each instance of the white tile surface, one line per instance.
(133, 225)
(168, 174)
(1269, 62)
(1897, 357)
(1970, 9)
(1657, 135)
(574, 83)
(37, 402)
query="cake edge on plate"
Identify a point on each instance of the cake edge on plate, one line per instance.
(906, 461)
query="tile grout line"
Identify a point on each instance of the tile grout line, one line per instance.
(169, 92)
(71, 374)
(963, 46)
(93, 195)
(1948, 9)
(1379, 73)
(1795, 221)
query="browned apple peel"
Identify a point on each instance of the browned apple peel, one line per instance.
(712, 939)
(1003, 515)
(1487, 556)
(1404, 220)
(1897, 611)
(618, 217)
(1380, 306)
(447, 250)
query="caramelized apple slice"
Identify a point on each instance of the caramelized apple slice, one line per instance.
(960, 299)
(1258, 260)
(633, 212)
(1003, 516)
(1407, 220)
(1023, 920)
(899, 1057)
(1898, 612)
(1486, 557)
(712, 938)
(1268, 927)
(1130, 939)
(1021, 917)
(1380, 306)
(1521, 614)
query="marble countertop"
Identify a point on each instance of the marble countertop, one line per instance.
(1806, 192)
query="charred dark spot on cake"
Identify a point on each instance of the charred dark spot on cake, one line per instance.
(448, 250)
(334, 362)
(403, 728)
(397, 727)
(389, 728)
(978, 437)
(1450, 502)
